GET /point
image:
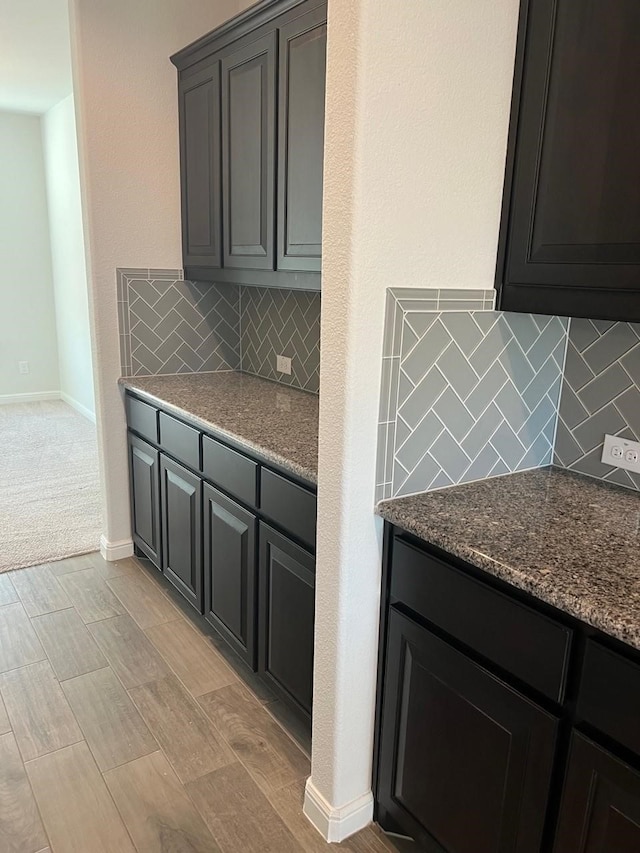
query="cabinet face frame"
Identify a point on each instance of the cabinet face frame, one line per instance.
(556, 284)
(261, 55)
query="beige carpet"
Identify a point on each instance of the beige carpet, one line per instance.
(49, 487)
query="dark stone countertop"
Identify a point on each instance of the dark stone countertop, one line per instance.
(571, 541)
(278, 422)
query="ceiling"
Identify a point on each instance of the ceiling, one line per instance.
(35, 56)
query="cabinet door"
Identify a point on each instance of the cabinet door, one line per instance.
(200, 164)
(182, 529)
(573, 236)
(248, 154)
(465, 761)
(230, 571)
(302, 71)
(286, 617)
(600, 810)
(144, 481)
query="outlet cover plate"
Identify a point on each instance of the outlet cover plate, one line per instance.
(283, 364)
(621, 453)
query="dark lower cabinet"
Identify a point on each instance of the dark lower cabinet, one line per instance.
(144, 479)
(230, 571)
(465, 760)
(286, 618)
(600, 810)
(181, 500)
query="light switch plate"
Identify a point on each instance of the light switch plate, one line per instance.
(283, 364)
(621, 452)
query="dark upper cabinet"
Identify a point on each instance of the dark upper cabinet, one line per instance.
(251, 104)
(302, 70)
(286, 618)
(570, 235)
(230, 571)
(600, 810)
(181, 501)
(248, 145)
(144, 480)
(465, 760)
(200, 167)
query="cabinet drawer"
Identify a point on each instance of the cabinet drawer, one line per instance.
(528, 644)
(230, 470)
(180, 440)
(142, 418)
(609, 696)
(288, 504)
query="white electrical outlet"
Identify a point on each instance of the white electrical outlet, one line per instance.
(622, 453)
(283, 364)
(23, 367)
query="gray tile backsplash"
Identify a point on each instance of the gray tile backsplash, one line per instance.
(600, 394)
(467, 392)
(169, 325)
(281, 322)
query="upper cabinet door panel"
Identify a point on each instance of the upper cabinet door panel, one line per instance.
(572, 210)
(248, 154)
(200, 167)
(302, 69)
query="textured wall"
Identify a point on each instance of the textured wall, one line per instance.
(600, 394)
(467, 393)
(27, 317)
(416, 128)
(281, 322)
(127, 117)
(68, 258)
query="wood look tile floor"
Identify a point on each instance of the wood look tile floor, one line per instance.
(126, 727)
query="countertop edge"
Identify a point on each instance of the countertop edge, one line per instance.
(266, 453)
(602, 619)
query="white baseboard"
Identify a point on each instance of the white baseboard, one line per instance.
(112, 551)
(38, 397)
(336, 824)
(91, 416)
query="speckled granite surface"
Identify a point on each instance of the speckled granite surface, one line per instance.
(278, 422)
(569, 540)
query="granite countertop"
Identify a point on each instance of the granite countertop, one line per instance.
(278, 422)
(569, 540)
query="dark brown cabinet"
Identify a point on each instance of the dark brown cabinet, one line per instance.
(286, 618)
(302, 58)
(252, 581)
(144, 481)
(248, 145)
(601, 803)
(181, 502)
(570, 235)
(230, 571)
(251, 104)
(200, 167)
(466, 760)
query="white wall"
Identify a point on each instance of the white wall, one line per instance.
(27, 320)
(67, 253)
(417, 112)
(126, 110)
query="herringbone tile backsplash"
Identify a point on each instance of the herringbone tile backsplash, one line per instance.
(467, 392)
(600, 394)
(281, 322)
(168, 325)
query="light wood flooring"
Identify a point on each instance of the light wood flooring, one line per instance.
(124, 727)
